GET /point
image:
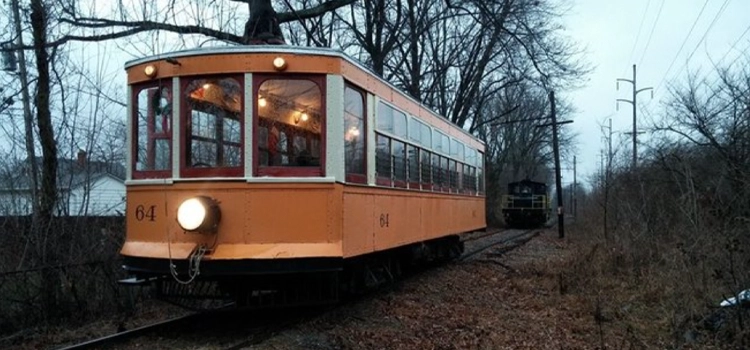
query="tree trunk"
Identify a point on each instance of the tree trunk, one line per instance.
(28, 120)
(48, 193)
(263, 25)
(48, 240)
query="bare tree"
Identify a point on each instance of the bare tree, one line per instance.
(681, 217)
(48, 193)
(375, 27)
(261, 27)
(715, 115)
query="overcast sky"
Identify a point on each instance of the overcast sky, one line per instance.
(650, 34)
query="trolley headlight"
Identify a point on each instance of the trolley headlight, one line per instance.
(150, 71)
(199, 214)
(279, 63)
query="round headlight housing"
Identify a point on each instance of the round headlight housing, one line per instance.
(199, 214)
(279, 63)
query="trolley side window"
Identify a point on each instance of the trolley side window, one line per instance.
(426, 170)
(452, 175)
(383, 163)
(399, 124)
(152, 106)
(391, 120)
(213, 127)
(354, 135)
(399, 163)
(444, 174)
(470, 179)
(480, 173)
(425, 136)
(437, 175)
(415, 130)
(441, 143)
(457, 150)
(412, 161)
(290, 122)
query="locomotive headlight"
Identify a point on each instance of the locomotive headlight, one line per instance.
(200, 214)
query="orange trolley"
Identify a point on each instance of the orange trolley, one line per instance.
(268, 175)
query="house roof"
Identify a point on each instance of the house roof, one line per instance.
(70, 174)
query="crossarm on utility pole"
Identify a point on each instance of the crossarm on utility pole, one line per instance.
(636, 91)
(558, 179)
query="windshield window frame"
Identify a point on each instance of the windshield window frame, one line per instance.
(167, 134)
(187, 171)
(289, 171)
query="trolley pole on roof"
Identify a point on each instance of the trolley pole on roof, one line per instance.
(558, 178)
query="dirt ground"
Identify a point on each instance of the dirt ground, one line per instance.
(513, 301)
(522, 299)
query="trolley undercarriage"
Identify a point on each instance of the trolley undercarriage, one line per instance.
(257, 284)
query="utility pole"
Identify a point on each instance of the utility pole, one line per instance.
(607, 171)
(609, 146)
(558, 178)
(633, 102)
(27, 117)
(575, 191)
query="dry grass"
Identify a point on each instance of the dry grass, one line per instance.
(665, 298)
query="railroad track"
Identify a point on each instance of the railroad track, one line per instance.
(478, 236)
(131, 333)
(263, 328)
(504, 244)
(221, 329)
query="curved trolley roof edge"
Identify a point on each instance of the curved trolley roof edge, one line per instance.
(220, 50)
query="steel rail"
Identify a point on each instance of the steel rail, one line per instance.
(493, 244)
(120, 336)
(263, 333)
(482, 235)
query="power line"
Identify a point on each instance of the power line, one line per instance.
(648, 42)
(703, 38)
(682, 46)
(717, 64)
(637, 36)
(735, 59)
(747, 30)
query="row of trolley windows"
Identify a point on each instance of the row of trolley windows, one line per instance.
(393, 121)
(430, 160)
(450, 167)
(213, 126)
(289, 135)
(289, 131)
(400, 164)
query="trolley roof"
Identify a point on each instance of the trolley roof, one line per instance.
(286, 49)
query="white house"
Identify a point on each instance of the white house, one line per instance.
(84, 189)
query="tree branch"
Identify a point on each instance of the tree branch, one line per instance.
(311, 12)
(141, 26)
